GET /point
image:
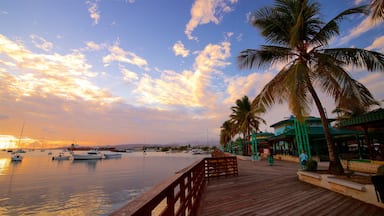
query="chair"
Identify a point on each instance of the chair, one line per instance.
(378, 182)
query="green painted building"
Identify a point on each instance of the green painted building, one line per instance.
(291, 137)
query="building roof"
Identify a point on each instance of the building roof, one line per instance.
(317, 132)
(291, 119)
(373, 119)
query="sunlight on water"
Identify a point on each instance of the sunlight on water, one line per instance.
(40, 186)
(4, 163)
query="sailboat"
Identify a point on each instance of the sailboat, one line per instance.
(16, 156)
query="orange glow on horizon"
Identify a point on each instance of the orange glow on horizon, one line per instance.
(12, 142)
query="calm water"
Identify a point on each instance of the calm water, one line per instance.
(40, 186)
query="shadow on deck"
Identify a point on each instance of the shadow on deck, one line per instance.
(260, 189)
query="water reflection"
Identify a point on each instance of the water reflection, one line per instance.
(4, 164)
(40, 186)
(91, 164)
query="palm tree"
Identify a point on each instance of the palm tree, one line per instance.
(245, 118)
(296, 36)
(226, 133)
(345, 109)
(377, 10)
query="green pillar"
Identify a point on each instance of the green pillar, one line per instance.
(302, 139)
(255, 153)
(233, 147)
(239, 146)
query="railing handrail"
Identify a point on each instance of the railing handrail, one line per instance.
(180, 194)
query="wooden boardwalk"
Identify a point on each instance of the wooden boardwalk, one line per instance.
(261, 189)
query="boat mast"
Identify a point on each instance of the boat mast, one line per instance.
(21, 133)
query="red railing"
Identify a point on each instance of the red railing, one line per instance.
(180, 194)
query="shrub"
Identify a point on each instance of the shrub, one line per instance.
(311, 165)
(380, 170)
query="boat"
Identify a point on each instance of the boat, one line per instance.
(20, 151)
(77, 147)
(61, 156)
(91, 155)
(16, 157)
(197, 151)
(112, 155)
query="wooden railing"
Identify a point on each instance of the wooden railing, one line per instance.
(220, 167)
(180, 194)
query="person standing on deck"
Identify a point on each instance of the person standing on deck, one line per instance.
(303, 159)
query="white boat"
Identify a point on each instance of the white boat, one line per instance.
(16, 157)
(198, 151)
(91, 155)
(61, 156)
(112, 155)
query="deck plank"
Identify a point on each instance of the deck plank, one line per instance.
(261, 189)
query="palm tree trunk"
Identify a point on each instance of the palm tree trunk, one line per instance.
(335, 166)
(244, 144)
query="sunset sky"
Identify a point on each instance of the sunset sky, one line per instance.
(107, 72)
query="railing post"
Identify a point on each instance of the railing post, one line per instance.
(170, 201)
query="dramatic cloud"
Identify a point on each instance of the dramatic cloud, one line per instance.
(25, 74)
(189, 88)
(179, 49)
(204, 12)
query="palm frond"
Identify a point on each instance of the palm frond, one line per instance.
(275, 91)
(299, 100)
(359, 58)
(377, 7)
(331, 29)
(251, 58)
(274, 30)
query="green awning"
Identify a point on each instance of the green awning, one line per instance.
(373, 119)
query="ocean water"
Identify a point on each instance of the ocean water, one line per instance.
(40, 186)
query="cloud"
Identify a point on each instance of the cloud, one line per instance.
(204, 12)
(93, 11)
(129, 75)
(357, 2)
(249, 85)
(26, 74)
(189, 88)
(179, 49)
(366, 25)
(119, 55)
(378, 44)
(94, 46)
(41, 43)
(374, 82)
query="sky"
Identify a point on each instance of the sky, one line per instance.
(109, 72)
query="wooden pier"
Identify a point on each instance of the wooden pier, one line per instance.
(260, 189)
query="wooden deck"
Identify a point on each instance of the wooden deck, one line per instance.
(261, 189)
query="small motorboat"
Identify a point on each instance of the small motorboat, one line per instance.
(61, 156)
(91, 155)
(16, 157)
(112, 155)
